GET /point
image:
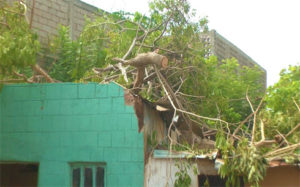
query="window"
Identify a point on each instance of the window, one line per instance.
(88, 174)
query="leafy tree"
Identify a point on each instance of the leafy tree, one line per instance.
(282, 112)
(18, 44)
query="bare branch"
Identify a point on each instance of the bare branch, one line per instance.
(262, 131)
(195, 96)
(296, 127)
(39, 70)
(245, 120)
(22, 76)
(296, 104)
(282, 150)
(11, 80)
(282, 138)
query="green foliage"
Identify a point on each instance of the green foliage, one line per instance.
(18, 45)
(223, 87)
(243, 160)
(152, 140)
(282, 101)
(183, 179)
(74, 58)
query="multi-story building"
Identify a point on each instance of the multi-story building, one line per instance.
(223, 49)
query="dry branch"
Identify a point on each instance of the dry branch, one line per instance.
(39, 70)
(145, 59)
(296, 127)
(23, 77)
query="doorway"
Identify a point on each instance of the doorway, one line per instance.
(19, 174)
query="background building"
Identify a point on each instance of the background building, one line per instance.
(223, 49)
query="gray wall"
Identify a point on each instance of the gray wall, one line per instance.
(47, 15)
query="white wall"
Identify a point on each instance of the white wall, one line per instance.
(161, 172)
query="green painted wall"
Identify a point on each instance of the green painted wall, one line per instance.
(55, 124)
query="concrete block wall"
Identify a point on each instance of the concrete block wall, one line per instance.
(223, 49)
(62, 123)
(48, 15)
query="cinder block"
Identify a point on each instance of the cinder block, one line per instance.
(125, 180)
(32, 108)
(77, 123)
(113, 90)
(42, 6)
(36, 91)
(52, 107)
(118, 139)
(45, 123)
(137, 155)
(116, 167)
(8, 124)
(137, 179)
(84, 139)
(61, 91)
(101, 90)
(104, 139)
(118, 105)
(96, 155)
(134, 122)
(67, 107)
(32, 139)
(86, 90)
(66, 139)
(19, 92)
(113, 181)
(126, 154)
(130, 138)
(87, 106)
(53, 91)
(57, 123)
(105, 106)
(12, 108)
(111, 154)
(102, 122)
(123, 121)
(53, 24)
(134, 168)
(50, 139)
(140, 140)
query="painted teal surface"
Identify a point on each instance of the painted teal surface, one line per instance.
(57, 124)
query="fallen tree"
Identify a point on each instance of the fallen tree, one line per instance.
(161, 59)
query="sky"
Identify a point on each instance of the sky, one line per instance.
(266, 30)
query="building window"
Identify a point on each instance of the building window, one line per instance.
(88, 174)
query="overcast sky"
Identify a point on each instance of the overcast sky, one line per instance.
(267, 30)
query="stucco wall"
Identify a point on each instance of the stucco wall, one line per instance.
(161, 173)
(55, 124)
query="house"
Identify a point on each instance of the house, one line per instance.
(71, 134)
(68, 134)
